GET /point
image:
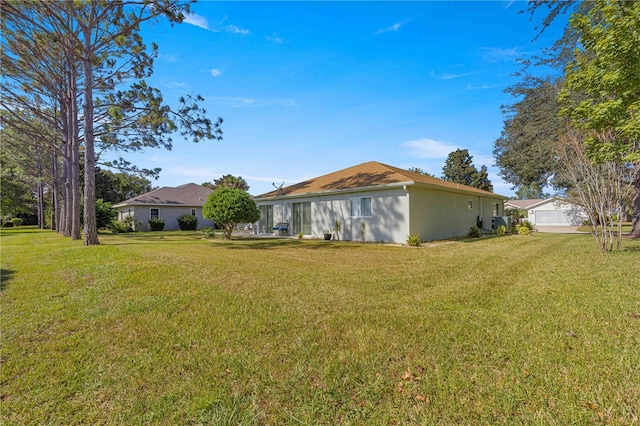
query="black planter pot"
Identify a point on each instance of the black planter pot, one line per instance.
(327, 236)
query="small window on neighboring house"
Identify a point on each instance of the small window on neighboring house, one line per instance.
(193, 212)
(155, 213)
(361, 207)
(470, 204)
(496, 209)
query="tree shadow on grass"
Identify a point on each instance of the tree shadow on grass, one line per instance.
(5, 276)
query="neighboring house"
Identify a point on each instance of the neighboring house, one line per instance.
(381, 202)
(167, 203)
(521, 204)
(550, 212)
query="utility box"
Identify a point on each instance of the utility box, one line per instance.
(501, 220)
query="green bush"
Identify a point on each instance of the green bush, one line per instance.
(523, 230)
(414, 240)
(208, 231)
(188, 222)
(105, 214)
(156, 224)
(16, 221)
(500, 230)
(474, 232)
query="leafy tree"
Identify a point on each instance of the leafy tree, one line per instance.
(530, 192)
(117, 187)
(459, 168)
(228, 207)
(524, 150)
(481, 180)
(601, 93)
(104, 213)
(228, 181)
(93, 49)
(419, 171)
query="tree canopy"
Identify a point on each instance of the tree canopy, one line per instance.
(228, 181)
(459, 168)
(79, 70)
(228, 207)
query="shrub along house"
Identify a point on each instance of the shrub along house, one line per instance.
(376, 202)
(167, 203)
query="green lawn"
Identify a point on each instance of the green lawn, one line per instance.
(169, 328)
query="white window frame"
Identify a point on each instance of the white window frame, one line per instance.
(359, 206)
(151, 216)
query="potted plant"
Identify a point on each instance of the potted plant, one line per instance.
(327, 235)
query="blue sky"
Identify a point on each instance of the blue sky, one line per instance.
(307, 88)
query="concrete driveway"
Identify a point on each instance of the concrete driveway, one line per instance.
(559, 229)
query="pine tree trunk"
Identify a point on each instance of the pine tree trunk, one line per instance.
(90, 226)
(635, 223)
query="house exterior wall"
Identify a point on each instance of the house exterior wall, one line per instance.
(170, 215)
(437, 214)
(556, 212)
(389, 220)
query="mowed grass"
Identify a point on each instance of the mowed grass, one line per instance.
(169, 328)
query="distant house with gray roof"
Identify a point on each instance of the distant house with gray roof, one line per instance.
(167, 203)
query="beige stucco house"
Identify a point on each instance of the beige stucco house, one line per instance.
(380, 203)
(167, 203)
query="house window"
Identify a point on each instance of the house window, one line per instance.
(155, 213)
(361, 207)
(193, 212)
(470, 204)
(496, 209)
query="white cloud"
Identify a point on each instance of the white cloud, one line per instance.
(196, 20)
(450, 76)
(429, 148)
(201, 22)
(395, 27)
(499, 54)
(235, 29)
(239, 102)
(216, 72)
(200, 174)
(275, 39)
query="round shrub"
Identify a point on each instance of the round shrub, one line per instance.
(414, 240)
(188, 222)
(16, 221)
(156, 224)
(474, 232)
(523, 230)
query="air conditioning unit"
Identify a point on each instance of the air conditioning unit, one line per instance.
(501, 220)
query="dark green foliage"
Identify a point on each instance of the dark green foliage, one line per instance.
(474, 232)
(459, 168)
(228, 181)
(188, 222)
(524, 150)
(104, 213)
(121, 226)
(419, 171)
(228, 207)
(156, 224)
(117, 187)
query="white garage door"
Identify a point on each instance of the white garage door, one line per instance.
(552, 218)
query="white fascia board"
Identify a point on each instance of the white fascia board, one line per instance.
(461, 191)
(337, 191)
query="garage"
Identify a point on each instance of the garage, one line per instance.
(555, 212)
(552, 218)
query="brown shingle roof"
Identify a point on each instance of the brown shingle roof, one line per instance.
(189, 195)
(366, 175)
(524, 204)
